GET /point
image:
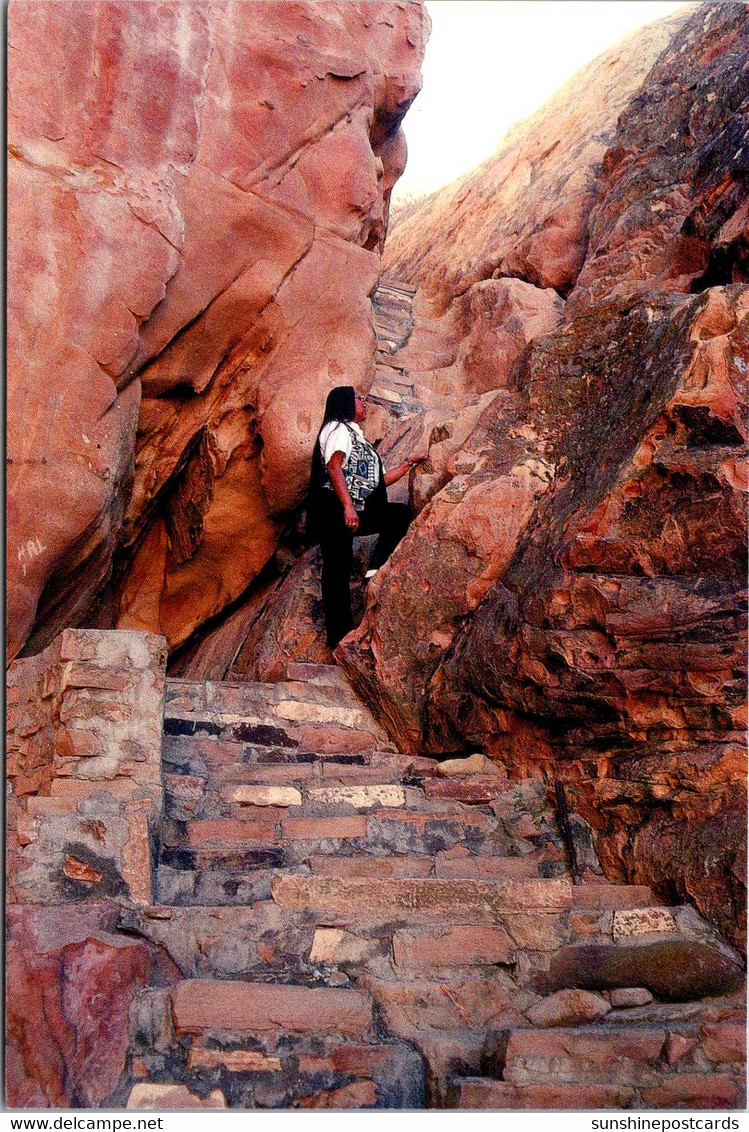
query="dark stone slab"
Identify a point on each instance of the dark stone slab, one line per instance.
(191, 727)
(263, 734)
(677, 970)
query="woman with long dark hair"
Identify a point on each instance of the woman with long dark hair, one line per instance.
(348, 497)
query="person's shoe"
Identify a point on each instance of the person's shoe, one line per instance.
(369, 574)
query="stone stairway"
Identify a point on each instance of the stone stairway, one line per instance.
(355, 928)
(393, 308)
(392, 305)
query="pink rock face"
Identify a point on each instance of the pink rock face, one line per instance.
(196, 210)
(281, 624)
(685, 226)
(454, 552)
(589, 622)
(70, 982)
(506, 243)
(613, 649)
(93, 239)
(504, 316)
(524, 211)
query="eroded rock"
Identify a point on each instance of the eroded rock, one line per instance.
(70, 982)
(197, 207)
(571, 598)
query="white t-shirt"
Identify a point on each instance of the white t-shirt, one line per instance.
(335, 437)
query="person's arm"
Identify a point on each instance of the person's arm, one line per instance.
(335, 471)
(401, 470)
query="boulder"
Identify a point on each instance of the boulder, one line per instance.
(568, 1008)
(571, 598)
(70, 982)
(198, 195)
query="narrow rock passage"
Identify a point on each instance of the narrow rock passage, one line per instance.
(357, 928)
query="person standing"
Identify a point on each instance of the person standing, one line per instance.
(348, 497)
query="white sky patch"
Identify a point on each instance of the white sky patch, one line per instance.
(490, 63)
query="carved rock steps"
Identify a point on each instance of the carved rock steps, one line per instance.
(611, 1066)
(448, 981)
(236, 812)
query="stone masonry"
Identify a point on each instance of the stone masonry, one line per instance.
(324, 922)
(84, 794)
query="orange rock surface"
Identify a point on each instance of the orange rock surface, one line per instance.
(523, 212)
(571, 598)
(198, 195)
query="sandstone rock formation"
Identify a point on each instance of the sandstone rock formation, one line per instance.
(523, 213)
(198, 195)
(71, 980)
(616, 641)
(267, 903)
(572, 598)
(280, 624)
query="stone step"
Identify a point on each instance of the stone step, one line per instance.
(210, 756)
(392, 309)
(442, 865)
(320, 676)
(295, 724)
(363, 831)
(221, 761)
(347, 901)
(267, 730)
(233, 792)
(593, 911)
(305, 984)
(207, 872)
(475, 968)
(201, 1005)
(233, 781)
(198, 752)
(395, 287)
(674, 1091)
(226, 760)
(269, 1046)
(226, 792)
(235, 875)
(286, 704)
(392, 376)
(613, 1064)
(486, 1093)
(232, 696)
(370, 832)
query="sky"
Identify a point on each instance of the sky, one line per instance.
(490, 63)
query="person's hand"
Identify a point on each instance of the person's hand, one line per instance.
(350, 517)
(419, 458)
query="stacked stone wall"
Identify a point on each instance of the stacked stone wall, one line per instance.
(84, 793)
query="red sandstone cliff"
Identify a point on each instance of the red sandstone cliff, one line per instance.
(571, 597)
(197, 196)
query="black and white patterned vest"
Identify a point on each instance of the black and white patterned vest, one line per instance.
(361, 470)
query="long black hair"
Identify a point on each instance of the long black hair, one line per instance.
(340, 406)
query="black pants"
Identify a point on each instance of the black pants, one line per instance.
(390, 520)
